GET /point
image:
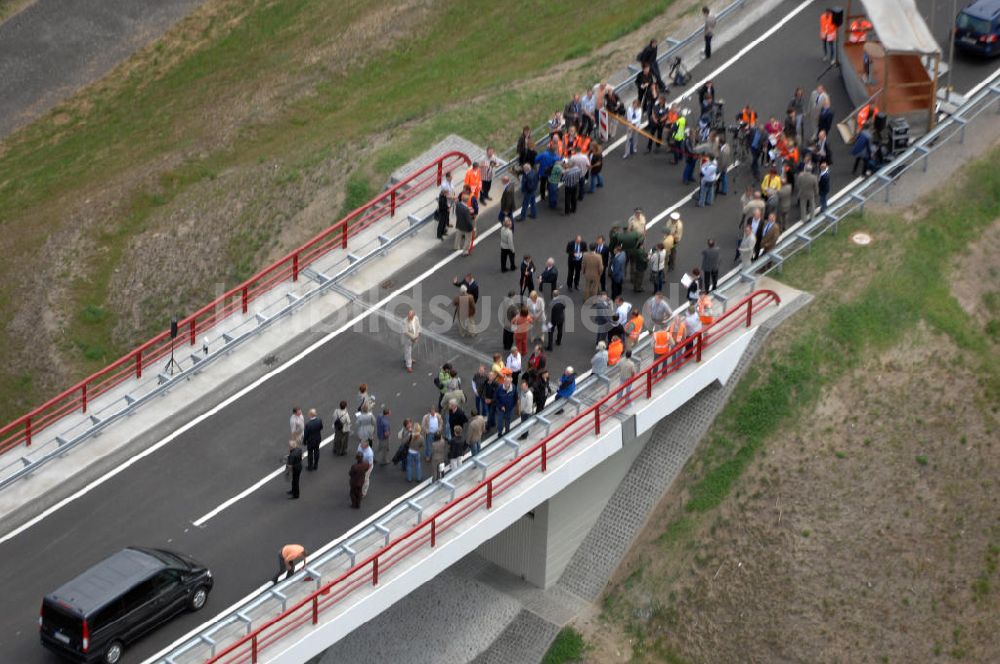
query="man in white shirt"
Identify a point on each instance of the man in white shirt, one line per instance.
(411, 333)
(368, 454)
(297, 423)
(622, 308)
(634, 117)
(709, 174)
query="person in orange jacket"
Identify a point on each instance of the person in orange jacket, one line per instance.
(474, 178)
(828, 35)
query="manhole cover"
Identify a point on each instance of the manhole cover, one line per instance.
(862, 239)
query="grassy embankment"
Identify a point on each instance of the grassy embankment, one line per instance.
(866, 306)
(162, 124)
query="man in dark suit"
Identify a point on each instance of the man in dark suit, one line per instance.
(312, 437)
(710, 266)
(357, 474)
(471, 286)
(574, 261)
(294, 465)
(604, 251)
(824, 184)
(557, 318)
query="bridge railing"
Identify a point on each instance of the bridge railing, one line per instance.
(432, 525)
(238, 299)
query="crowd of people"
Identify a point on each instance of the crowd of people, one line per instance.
(788, 162)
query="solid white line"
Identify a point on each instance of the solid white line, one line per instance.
(235, 397)
(278, 370)
(250, 489)
(746, 49)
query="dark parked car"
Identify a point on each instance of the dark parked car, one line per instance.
(977, 28)
(93, 617)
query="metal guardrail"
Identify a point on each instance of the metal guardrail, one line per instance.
(228, 333)
(426, 514)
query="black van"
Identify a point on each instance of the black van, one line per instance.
(91, 618)
(977, 28)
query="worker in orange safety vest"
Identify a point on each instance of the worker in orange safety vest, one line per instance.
(828, 35)
(706, 309)
(633, 329)
(865, 113)
(857, 32)
(747, 116)
(474, 179)
(661, 347)
(615, 350)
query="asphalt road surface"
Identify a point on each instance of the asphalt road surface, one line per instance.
(155, 502)
(53, 47)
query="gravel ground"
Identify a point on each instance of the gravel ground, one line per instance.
(53, 47)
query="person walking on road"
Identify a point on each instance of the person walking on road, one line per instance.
(297, 424)
(807, 193)
(527, 281)
(313, 436)
(465, 225)
(432, 425)
(617, 270)
(293, 466)
(368, 456)
(341, 429)
(591, 267)
(508, 202)
(290, 556)
(746, 248)
(414, 440)
(710, 266)
(411, 334)
(529, 187)
(383, 427)
(550, 276)
(574, 262)
(709, 30)
(709, 174)
(557, 319)
(358, 478)
(446, 198)
(823, 185)
(364, 424)
(507, 245)
(464, 312)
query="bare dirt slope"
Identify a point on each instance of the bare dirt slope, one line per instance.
(867, 530)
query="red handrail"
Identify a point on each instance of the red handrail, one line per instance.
(248, 648)
(290, 266)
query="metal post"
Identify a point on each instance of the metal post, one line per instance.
(433, 533)
(392, 203)
(138, 364)
(246, 298)
(649, 383)
(194, 331)
(253, 649)
(295, 267)
(315, 610)
(951, 50)
(750, 311)
(440, 171)
(597, 421)
(343, 240)
(84, 396)
(27, 432)
(374, 571)
(545, 457)
(701, 335)
(489, 494)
